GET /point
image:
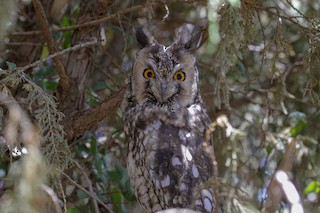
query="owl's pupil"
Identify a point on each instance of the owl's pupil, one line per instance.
(149, 74)
(179, 76)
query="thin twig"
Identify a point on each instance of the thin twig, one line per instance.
(288, 18)
(64, 80)
(86, 191)
(93, 200)
(19, 44)
(62, 52)
(63, 197)
(87, 24)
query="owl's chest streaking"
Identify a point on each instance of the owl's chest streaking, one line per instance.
(168, 159)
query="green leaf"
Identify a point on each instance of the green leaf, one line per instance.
(116, 197)
(68, 34)
(73, 210)
(45, 52)
(269, 149)
(81, 194)
(51, 85)
(313, 186)
(100, 85)
(114, 175)
(96, 159)
(127, 191)
(298, 127)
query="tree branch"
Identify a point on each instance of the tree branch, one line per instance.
(56, 54)
(86, 24)
(275, 192)
(86, 120)
(64, 81)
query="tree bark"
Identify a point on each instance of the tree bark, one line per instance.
(78, 64)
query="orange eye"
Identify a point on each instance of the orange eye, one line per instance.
(179, 76)
(149, 73)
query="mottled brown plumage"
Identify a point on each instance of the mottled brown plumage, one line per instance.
(165, 123)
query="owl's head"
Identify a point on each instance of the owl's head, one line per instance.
(167, 75)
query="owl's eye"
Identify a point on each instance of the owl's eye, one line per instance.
(149, 73)
(179, 76)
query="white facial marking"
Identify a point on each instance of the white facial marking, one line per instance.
(195, 171)
(176, 161)
(165, 182)
(188, 135)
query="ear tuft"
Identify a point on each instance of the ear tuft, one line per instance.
(144, 37)
(191, 36)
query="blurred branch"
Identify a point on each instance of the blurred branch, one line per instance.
(289, 191)
(86, 120)
(276, 190)
(53, 196)
(64, 81)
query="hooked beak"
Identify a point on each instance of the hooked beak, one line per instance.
(160, 91)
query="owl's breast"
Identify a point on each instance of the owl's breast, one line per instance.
(166, 159)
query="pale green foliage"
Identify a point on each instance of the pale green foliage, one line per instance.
(231, 29)
(44, 109)
(27, 175)
(232, 35)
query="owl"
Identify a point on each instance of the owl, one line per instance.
(165, 121)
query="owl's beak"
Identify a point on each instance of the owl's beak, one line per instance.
(163, 88)
(160, 91)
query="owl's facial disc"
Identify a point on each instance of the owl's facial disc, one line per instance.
(164, 76)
